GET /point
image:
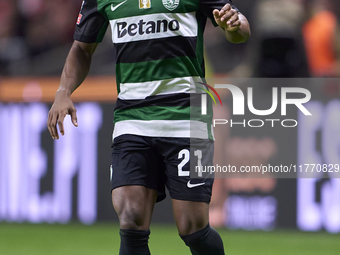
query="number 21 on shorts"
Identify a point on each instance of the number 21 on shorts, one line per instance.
(185, 156)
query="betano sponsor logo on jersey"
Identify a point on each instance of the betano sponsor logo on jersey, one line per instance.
(150, 27)
(153, 26)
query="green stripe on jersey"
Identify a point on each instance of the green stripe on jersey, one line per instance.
(153, 113)
(162, 113)
(157, 70)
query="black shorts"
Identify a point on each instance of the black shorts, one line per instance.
(156, 163)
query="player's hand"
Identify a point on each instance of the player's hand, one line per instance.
(227, 18)
(62, 106)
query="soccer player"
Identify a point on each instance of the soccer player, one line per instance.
(159, 48)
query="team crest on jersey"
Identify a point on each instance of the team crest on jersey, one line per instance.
(170, 4)
(144, 4)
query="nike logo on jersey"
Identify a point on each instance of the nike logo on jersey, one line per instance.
(113, 8)
(190, 186)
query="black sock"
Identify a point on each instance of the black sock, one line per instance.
(204, 242)
(134, 242)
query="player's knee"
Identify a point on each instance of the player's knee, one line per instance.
(134, 206)
(133, 218)
(187, 227)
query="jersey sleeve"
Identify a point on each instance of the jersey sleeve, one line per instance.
(91, 24)
(207, 7)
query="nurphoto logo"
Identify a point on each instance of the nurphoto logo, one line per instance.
(240, 101)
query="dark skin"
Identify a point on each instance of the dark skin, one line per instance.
(235, 25)
(134, 204)
(76, 68)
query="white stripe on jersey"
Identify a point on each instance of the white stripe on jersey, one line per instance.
(169, 86)
(162, 128)
(145, 27)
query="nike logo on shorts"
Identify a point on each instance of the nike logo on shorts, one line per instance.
(190, 186)
(113, 8)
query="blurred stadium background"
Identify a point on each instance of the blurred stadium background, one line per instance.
(54, 196)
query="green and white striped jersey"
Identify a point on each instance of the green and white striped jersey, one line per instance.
(159, 45)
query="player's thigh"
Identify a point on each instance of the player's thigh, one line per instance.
(135, 162)
(190, 216)
(134, 206)
(135, 180)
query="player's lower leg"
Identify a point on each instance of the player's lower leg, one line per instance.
(204, 242)
(134, 242)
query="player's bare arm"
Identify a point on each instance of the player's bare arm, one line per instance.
(235, 24)
(76, 68)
